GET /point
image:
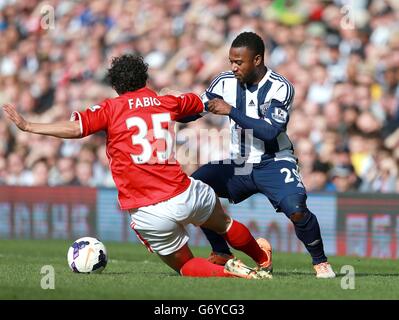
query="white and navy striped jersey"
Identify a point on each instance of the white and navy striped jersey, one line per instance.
(270, 101)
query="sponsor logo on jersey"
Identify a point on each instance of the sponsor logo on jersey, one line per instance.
(279, 115)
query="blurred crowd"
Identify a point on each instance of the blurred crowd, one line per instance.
(342, 57)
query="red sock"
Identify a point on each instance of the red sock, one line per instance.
(200, 267)
(240, 238)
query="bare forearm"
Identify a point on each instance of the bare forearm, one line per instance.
(60, 129)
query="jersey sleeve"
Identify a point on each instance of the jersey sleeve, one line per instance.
(216, 88)
(93, 119)
(187, 104)
(277, 113)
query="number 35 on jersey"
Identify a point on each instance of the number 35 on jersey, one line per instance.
(162, 138)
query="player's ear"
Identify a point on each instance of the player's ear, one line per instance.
(257, 60)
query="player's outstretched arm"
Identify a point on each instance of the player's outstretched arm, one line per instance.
(60, 129)
(172, 92)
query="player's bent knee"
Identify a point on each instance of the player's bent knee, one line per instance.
(219, 221)
(298, 216)
(177, 259)
(294, 207)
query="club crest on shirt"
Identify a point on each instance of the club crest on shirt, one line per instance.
(263, 109)
(94, 108)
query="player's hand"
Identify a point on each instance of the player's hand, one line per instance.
(219, 106)
(15, 117)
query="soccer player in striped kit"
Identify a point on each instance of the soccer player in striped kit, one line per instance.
(258, 102)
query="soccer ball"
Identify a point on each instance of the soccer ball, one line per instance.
(87, 255)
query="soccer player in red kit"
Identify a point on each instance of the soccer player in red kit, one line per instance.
(152, 187)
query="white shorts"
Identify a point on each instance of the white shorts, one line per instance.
(161, 227)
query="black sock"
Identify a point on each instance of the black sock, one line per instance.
(217, 241)
(308, 231)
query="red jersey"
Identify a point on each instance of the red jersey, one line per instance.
(140, 140)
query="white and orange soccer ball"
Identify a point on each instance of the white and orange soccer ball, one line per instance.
(87, 255)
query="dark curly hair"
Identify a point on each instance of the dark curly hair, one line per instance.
(127, 73)
(251, 41)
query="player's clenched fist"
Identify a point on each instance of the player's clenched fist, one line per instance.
(219, 106)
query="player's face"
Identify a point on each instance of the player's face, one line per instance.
(243, 64)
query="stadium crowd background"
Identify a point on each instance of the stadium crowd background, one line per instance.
(341, 56)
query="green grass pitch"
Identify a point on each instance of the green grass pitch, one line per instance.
(133, 273)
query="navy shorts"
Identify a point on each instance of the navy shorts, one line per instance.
(275, 179)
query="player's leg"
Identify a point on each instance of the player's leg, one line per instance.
(184, 263)
(224, 181)
(208, 212)
(161, 228)
(177, 259)
(281, 183)
(236, 234)
(307, 229)
(216, 176)
(169, 240)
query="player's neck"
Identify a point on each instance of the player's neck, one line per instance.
(258, 76)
